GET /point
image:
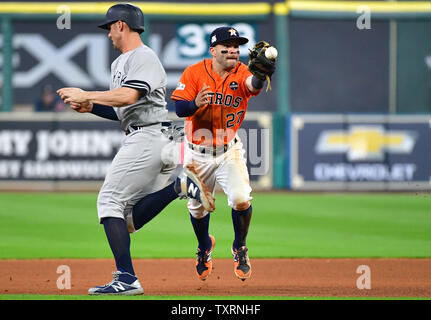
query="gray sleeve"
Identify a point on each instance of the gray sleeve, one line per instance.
(145, 72)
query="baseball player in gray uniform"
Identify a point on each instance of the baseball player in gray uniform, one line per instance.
(138, 184)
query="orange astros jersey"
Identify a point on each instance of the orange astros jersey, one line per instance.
(222, 117)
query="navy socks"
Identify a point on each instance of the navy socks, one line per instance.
(119, 241)
(144, 211)
(201, 227)
(241, 223)
(151, 205)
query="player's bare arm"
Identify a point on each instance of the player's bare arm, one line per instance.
(119, 97)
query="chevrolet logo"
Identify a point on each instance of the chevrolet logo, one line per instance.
(365, 142)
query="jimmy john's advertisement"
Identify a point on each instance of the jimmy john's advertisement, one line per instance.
(49, 150)
(347, 152)
(56, 151)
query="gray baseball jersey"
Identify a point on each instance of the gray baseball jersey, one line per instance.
(137, 169)
(141, 69)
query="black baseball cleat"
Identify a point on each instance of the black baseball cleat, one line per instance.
(189, 185)
(204, 264)
(241, 263)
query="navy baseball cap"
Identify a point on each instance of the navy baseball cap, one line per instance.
(127, 12)
(223, 34)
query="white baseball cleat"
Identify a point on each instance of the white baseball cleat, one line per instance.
(123, 284)
(191, 186)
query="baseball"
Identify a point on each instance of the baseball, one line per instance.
(271, 53)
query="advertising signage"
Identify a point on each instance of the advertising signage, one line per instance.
(359, 152)
(74, 151)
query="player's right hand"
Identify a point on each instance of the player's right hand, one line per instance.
(203, 97)
(81, 107)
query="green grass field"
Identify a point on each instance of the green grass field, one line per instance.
(285, 225)
(65, 225)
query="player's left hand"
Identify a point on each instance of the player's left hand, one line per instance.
(259, 64)
(73, 95)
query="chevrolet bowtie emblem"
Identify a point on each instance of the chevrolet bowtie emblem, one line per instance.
(365, 142)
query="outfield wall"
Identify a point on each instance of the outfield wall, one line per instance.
(335, 57)
(70, 151)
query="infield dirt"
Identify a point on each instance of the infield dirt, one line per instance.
(270, 277)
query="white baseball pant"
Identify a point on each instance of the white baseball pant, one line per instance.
(228, 168)
(136, 171)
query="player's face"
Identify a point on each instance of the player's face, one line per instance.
(115, 35)
(227, 54)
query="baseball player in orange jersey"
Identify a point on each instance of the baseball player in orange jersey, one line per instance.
(213, 96)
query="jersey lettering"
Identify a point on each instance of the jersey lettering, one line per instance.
(118, 78)
(218, 99)
(228, 100)
(227, 104)
(222, 100)
(237, 102)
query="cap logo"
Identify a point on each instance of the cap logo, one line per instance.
(232, 32)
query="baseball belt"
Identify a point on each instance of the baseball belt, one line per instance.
(212, 150)
(131, 129)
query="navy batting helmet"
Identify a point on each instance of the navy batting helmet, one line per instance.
(126, 12)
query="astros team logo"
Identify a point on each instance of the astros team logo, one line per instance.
(232, 32)
(365, 142)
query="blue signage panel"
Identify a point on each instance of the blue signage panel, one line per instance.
(360, 152)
